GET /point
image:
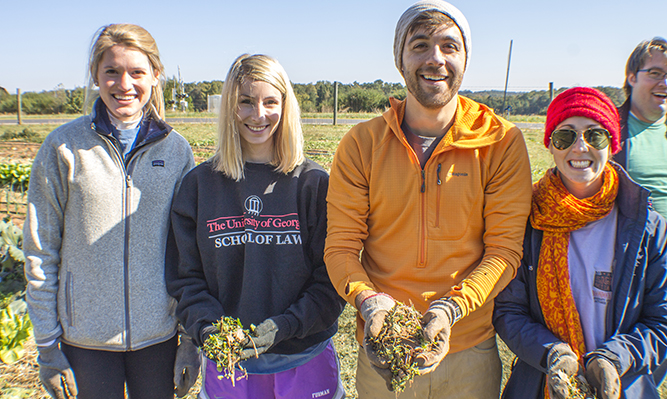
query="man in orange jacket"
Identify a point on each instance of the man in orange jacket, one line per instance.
(436, 192)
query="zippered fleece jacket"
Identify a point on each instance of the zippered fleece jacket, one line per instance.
(453, 228)
(636, 320)
(253, 249)
(95, 234)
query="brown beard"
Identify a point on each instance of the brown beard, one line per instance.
(432, 100)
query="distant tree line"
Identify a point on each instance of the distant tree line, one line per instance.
(312, 97)
(58, 101)
(355, 97)
(530, 103)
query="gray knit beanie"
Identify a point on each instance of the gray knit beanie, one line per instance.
(414, 11)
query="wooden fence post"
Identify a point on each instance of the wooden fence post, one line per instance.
(335, 103)
(18, 105)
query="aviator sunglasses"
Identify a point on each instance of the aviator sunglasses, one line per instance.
(597, 138)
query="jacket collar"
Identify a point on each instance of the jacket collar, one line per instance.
(474, 126)
(151, 128)
(632, 198)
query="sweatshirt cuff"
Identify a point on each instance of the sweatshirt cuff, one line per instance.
(287, 327)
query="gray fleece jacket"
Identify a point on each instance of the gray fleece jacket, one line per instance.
(95, 234)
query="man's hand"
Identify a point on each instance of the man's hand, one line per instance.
(603, 376)
(562, 363)
(55, 373)
(186, 366)
(437, 321)
(373, 308)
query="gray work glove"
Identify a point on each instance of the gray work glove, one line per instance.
(602, 375)
(267, 335)
(437, 321)
(55, 373)
(205, 332)
(561, 358)
(186, 366)
(373, 310)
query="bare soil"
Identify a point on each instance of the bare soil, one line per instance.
(21, 379)
(18, 152)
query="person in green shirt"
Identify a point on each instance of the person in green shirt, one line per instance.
(643, 122)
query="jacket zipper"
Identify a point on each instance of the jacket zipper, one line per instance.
(437, 198)
(126, 256)
(422, 232)
(127, 171)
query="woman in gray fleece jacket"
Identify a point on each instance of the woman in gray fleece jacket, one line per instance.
(95, 235)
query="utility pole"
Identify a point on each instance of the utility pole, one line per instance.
(507, 77)
(551, 91)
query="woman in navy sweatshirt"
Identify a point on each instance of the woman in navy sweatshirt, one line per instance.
(247, 241)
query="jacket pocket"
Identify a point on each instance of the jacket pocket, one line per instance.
(455, 202)
(69, 300)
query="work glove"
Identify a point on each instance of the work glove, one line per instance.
(561, 358)
(55, 373)
(267, 335)
(206, 331)
(373, 310)
(602, 375)
(437, 321)
(186, 366)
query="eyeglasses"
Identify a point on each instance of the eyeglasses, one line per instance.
(656, 74)
(597, 138)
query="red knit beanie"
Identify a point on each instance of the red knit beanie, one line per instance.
(586, 102)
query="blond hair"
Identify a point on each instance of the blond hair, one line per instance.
(288, 138)
(134, 37)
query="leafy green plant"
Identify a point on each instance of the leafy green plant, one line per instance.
(27, 134)
(15, 176)
(11, 241)
(15, 329)
(12, 259)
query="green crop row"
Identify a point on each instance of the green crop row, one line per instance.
(15, 176)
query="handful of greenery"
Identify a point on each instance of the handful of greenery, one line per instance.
(225, 347)
(400, 341)
(577, 387)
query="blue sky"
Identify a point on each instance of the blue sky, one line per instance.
(568, 42)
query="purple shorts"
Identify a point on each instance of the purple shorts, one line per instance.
(317, 379)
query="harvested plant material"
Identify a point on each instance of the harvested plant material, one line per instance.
(577, 387)
(400, 340)
(225, 347)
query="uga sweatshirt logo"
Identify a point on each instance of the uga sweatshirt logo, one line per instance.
(253, 228)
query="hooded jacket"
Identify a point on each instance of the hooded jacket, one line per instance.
(636, 322)
(95, 234)
(453, 228)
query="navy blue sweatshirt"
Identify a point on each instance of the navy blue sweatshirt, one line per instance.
(253, 249)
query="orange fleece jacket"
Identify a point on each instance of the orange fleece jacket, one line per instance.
(454, 229)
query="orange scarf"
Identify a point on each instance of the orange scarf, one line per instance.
(556, 212)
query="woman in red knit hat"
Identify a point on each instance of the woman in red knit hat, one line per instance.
(589, 303)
